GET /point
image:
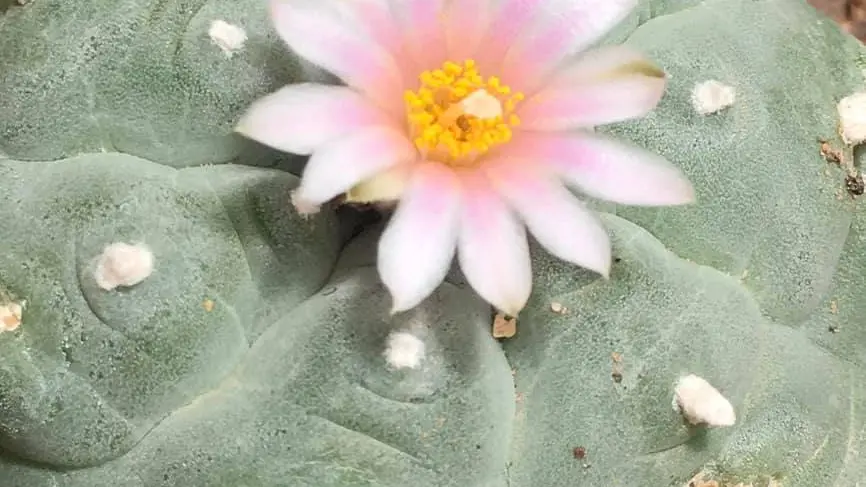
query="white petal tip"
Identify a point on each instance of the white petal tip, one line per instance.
(303, 206)
(511, 311)
(683, 195)
(701, 404)
(399, 305)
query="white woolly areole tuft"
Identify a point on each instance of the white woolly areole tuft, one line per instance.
(122, 264)
(701, 403)
(228, 37)
(712, 96)
(852, 118)
(404, 350)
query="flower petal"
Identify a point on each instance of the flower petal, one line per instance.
(420, 22)
(375, 19)
(384, 186)
(603, 63)
(341, 164)
(605, 168)
(466, 24)
(615, 97)
(537, 53)
(300, 118)
(558, 220)
(510, 17)
(417, 247)
(492, 247)
(320, 34)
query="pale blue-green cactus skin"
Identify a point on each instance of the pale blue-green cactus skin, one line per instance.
(252, 356)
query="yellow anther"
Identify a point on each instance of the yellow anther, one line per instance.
(457, 115)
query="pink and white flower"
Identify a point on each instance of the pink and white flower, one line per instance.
(477, 117)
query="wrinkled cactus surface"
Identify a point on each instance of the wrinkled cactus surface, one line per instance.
(253, 354)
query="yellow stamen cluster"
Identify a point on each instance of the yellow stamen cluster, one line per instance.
(457, 115)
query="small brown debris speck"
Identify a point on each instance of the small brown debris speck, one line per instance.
(854, 184)
(504, 326)
(617, 367)
(834, 307)
(558, 308)
(829, 153)
(208, 305)
(579, 452)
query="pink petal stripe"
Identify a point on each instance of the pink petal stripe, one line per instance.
(374, 18)
(319, 33)
(341, 164)
(492, 247)
(537, 53)
(466, 24)
(557, 219)
(417, 247)
(605, 168)
(510, 17)
(420, 22)
(300, 118)
(599, 102)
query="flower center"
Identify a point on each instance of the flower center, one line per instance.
(457, 115)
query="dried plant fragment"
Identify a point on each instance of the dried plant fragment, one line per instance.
(830, 154)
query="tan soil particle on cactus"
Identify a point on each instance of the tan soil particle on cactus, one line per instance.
(504, 326)
(829, 153)
(208, 305)
(10, 316)
(700, 481)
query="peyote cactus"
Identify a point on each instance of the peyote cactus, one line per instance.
(248, 345)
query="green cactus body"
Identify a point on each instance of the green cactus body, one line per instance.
(252, 354)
